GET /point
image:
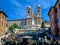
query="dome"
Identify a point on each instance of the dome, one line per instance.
(29, 6)
(38, 6)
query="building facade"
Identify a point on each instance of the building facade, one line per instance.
(20, 22)
(2, 23)
(32, 22)
(54, 15)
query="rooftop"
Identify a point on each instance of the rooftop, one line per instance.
(3, 13)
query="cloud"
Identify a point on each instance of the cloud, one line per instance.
(15, 3)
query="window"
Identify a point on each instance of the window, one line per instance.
(59, 6)
(55, 10)
(28, 22)
(57, 32)
(4, 17)
(2, 23)
(38, 10)
(28, 11)
(39, 21)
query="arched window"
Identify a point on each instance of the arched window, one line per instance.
(38, 10)
(28, 11)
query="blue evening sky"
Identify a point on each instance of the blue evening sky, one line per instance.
(16, 9)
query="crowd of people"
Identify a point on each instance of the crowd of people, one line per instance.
(13, 41)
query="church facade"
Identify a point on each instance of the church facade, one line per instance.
(34, 21)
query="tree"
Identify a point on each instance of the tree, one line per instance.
(13, 27)
(42, 26)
